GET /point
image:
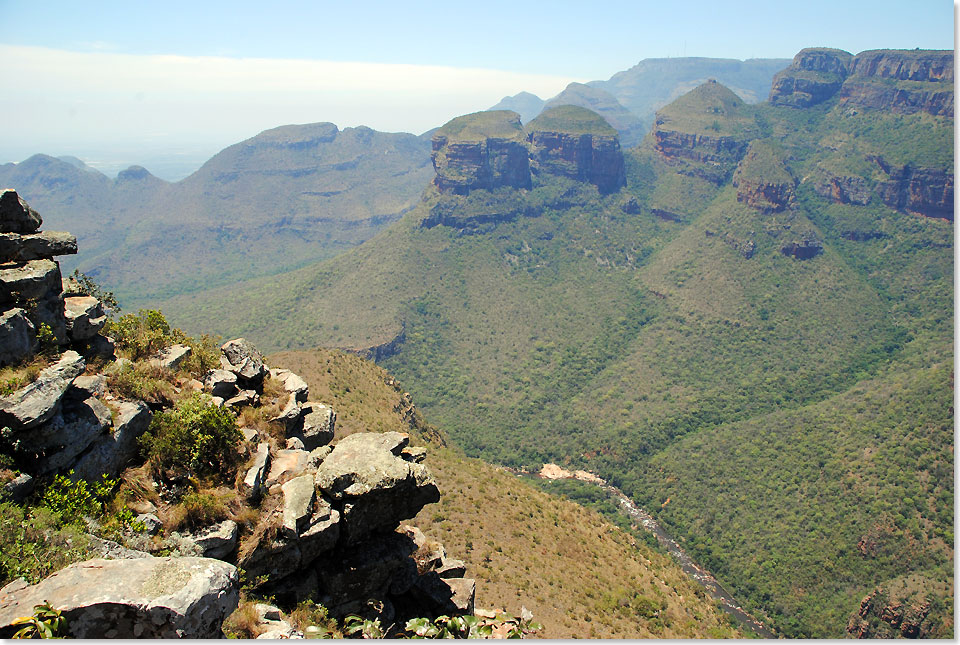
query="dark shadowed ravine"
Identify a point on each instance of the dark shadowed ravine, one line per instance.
(703, 577)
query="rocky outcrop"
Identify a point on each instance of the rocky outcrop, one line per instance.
(576, 143)
(704, 133)
(804, 247)
(905, 65)
(133, 598)
(484, 150)
(15, 215)
(815, 75)
(895, 609)
(922, 191)
(36, 403)
(843, 189)
(18, 336)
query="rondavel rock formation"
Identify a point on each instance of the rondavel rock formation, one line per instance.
(331, 515)
(492, 149)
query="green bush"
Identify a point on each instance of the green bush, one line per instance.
(143, 333)
(194, 438)
(74, 500)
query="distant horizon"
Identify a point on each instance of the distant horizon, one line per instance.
(168, 87)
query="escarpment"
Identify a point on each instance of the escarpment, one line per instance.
(900, 81)
(763, 180)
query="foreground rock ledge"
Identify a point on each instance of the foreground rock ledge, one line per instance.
(143, 598)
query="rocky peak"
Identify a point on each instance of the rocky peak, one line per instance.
(815, 75)
(577, 143)
(823, 59)
(704, 132)
(598, 100)
(485, 150)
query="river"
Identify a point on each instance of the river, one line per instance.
(703, 577)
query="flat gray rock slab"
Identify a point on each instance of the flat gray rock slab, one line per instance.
(30, 406)
(299, 496)
(139, 598)
(36, 246)
(172, 357)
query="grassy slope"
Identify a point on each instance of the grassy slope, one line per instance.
(579, 575)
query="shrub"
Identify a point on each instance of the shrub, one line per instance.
(198, 509)
(143, 333)
(193, 439)
(74, 500)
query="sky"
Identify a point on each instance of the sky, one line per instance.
(167, 85)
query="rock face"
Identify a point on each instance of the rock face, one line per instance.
(35, 246)
(574, 142)
(137, 598)
(815, 75)
(481, 150)
(895, 609)
(920, 191)
(923, 191)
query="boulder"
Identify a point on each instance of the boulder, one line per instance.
(38, 283)
(84, 316)
(319, 424)
(18, 337)
(151, 523)
(110, 550)
(84, 386)
(299, 497)
(448, 596)
(36, 246)
(292, 415)
(30, 406)
(255, 479)
(114, 451)
(137, 598)
(273, 555)
(242, 398)
(220, 383)
(15, 215)
(216, 541)
(67, 434)
(292, 383)
(20, 487)
(171, 357)
(376, 488)
(243, 359)
(294, 443)
(100, 347)
(286, 465)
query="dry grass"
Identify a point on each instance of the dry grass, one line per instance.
(579, 575)
(14, 377)
(244, 622)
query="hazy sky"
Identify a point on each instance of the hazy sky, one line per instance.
(123, 82)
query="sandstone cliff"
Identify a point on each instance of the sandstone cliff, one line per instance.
(574, 142)
(814, 76)
(763, 180)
